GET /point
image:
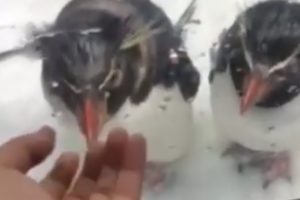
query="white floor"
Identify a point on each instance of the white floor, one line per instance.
(204, 175)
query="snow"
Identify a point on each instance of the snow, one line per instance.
(203, 174)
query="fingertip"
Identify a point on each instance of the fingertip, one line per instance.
(138, 144)
(118, 133)
(93, 161)
(95, 146)
(68, 157)
(135, 153)
(64, 169)
(129, 182)
(115, 147)
(60, 177)
(45, 134)
(43, 142)
(120, 129)
(46, 129)
(117, 139)
(26, 151)
(139, 139)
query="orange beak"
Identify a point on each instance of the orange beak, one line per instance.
(93, 119)
(255, 88)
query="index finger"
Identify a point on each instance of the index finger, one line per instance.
(129, 183)
(23, 153)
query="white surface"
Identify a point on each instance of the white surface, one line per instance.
(204, 175)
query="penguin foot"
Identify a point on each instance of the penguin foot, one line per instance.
(272, 165)
(157, 177)
(278, 166)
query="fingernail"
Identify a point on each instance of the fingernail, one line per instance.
(68, 163)
(138, 136)
(118, 130)
(46, 129)
(45, 134)
(95, 145)
(118, 133)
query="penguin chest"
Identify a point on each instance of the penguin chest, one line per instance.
(272, 129)
(164, 119)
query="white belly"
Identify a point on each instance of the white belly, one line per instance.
(259, 129)
(167, 126)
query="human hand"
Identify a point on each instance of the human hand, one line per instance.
(112, 171)
(21, 154)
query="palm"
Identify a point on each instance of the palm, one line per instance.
(111, 169)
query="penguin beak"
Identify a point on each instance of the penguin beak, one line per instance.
(254, 89)
(93, 117)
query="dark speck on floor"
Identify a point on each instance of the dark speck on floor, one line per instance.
(196, 21)
(172, 147)
(209, 148)
(271, 128)
(167, 99)
(273, 145)
(163, 107)
(201, 55)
